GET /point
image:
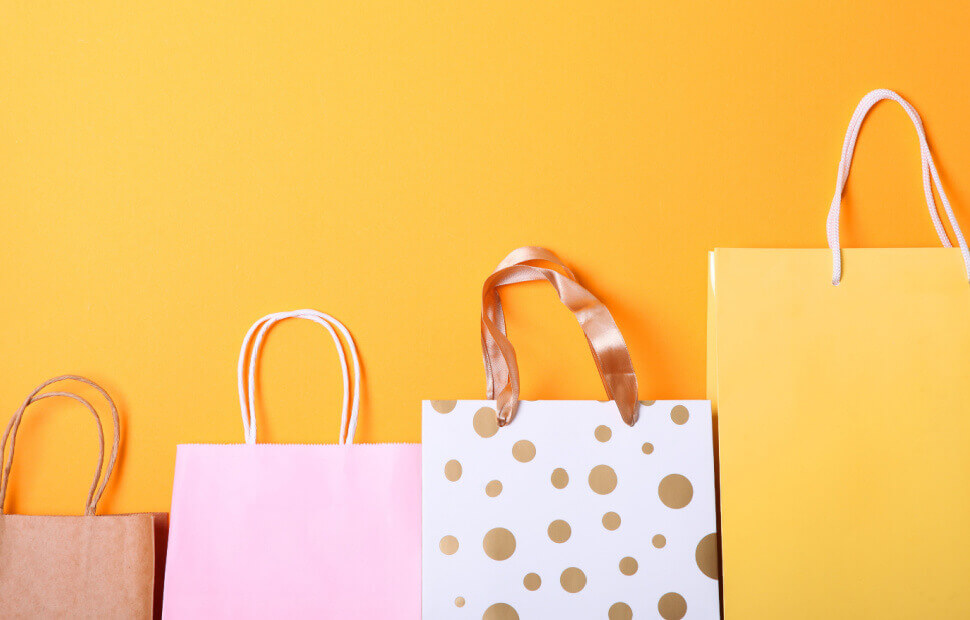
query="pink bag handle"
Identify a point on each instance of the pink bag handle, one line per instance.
(248, 358)
(95, 492)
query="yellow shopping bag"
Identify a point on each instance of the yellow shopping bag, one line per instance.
(843, 410)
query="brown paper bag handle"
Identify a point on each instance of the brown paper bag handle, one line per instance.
(605, 340)
(95, 492)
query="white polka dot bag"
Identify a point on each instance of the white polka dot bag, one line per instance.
(566, 509)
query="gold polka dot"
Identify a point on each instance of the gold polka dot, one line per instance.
(659, 541)
(621, 611)
(647, 403)
(444, 406)
(485, 422)
(611, 521)
(647, 448)
(706, 555)
(559, 478)
(453, 470)
(500, 611)
(602, 433)
(628, 566)
(523, 451)
(572, 580)
(679, 414)
(448, 545)
(460, 602)
(675, 491)
(532, 582)
(499, 544)
(493, 488)
(602, 479)
(672, 606)
(559, 531)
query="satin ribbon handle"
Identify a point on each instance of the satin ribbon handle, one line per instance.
(518, 256)
(605, 341)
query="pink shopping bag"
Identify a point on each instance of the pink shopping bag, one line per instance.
(295, 531)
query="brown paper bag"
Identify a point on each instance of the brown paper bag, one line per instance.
(74, 566)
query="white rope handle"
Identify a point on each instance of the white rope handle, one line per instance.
(247, 370)
(929, 174)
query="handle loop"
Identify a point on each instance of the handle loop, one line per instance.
(605, 340)
(930, 174)
(247, 370)
(96, 491)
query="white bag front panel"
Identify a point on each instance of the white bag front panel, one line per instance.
(461, 456)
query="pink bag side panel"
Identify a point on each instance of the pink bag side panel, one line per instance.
(296, 531)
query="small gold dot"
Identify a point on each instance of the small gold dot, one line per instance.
(559, 531)
(499, 544)
(602, 433)
(628, 566)
(460, 602)
(659, 541)
(672, 606)
(453, 470)
(611, 521)
(448, 545)
(706, 555)
(572, 580)
(523, 451)
(679, 414)
(647, 403)
(500, 611)
(532, 582)
(444, 406)
(559, 478)
(647, 448)
(602, 479)
(675, 491)
(621, 611)
(485, 422)
(493, 488)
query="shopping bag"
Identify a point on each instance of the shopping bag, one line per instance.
(295, 531)
(843, 420)
(565, 509)
(86, 566)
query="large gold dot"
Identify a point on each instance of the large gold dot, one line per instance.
(602, 479)
(647, 448)
(485, 422)
(706, 555)
(628, 566)
(621, 611)
(444, 406)
(659, 541)
(493, 488)
(532, 582)
(647, 403)
(500, 611)
(611, 521)
(559, 478)
(679, 414)
(499, 544)
(460, 601)
(559, 531)
(448, 545)
(603, 433)
(672, 606)
(572, 580)
(675, 491)
(523, 451)
(453, 470)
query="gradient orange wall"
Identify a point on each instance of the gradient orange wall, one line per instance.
(170, 173)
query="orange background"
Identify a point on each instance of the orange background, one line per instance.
(170, 173)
